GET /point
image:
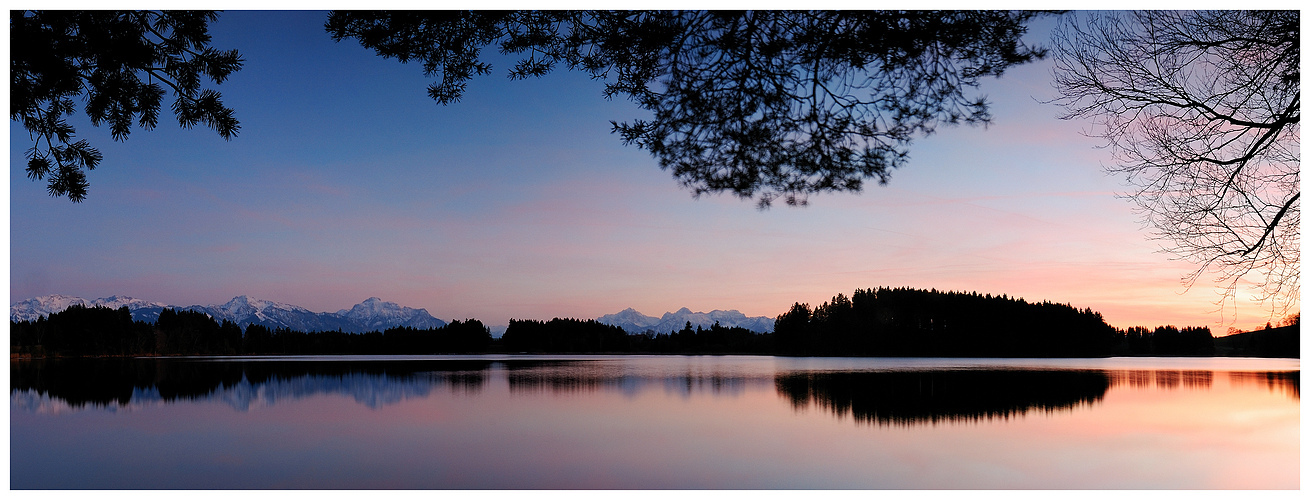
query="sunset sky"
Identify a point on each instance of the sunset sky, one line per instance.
(347, 181)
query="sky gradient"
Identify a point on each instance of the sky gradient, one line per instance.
(347, 181)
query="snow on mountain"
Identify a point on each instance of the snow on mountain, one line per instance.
(243, 306)
(376, 314)
(632, 321)
(141, 310)
(115, 302)
(372, 314)
(245, 311)
(37, 307)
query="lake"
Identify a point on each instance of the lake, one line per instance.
(654, 422)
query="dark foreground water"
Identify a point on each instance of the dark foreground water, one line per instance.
(653, 422)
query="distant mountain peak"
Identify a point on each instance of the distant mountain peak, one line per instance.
(634, 322)
(372, 314)
(377, 314)
(374, 304)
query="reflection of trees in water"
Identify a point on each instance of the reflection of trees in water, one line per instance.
(537, 381)
(564, 378)
(1162, 379)
(120, 382)
(909, 398)
(1288, 383)
(898, 397)
(242, 384)
(79, 382)
(590, 377)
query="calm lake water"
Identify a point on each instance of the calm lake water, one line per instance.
(655, 422)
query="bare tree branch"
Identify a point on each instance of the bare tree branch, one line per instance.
(1201, 111)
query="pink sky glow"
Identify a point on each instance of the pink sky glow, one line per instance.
(347, 182)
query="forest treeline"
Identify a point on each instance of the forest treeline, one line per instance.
(912, 322)
(561, 335)
(100, 331)
(871, 322)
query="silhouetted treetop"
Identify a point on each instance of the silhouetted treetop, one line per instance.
(1202, 113)
(118, 62)
(765, 105)
(912, 322)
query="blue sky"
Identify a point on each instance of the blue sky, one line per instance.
(346, 181)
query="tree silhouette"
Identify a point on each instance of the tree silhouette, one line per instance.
(911, 322)
(765, 105)
(563, 335)
(906, 398)
(1202, 111)
(118, 62)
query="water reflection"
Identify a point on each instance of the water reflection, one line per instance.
(1163, 379)
(888, 397)
(590, 379)
(686, 422)
(118, 383)
(916, 397)
(906, 398)
(1288, 383)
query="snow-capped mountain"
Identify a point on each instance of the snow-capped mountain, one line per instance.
(375, 314)
(33, 308)
(246, 311)
(372, 314)
(632, 321)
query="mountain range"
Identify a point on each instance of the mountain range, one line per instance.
(373, 314)
(635, 322)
